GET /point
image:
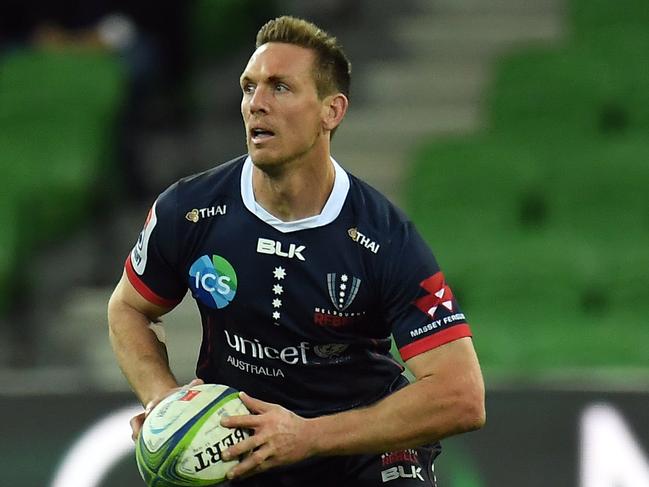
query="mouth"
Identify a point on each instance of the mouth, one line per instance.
(259, 135)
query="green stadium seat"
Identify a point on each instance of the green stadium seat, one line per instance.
(65, 85)
(217, 26)
(542, 223)
(8, 249)
(587, 17)
(623, 49)
(549, 96)
(57, 112)
(596, 87)
(488, 179)
(481, 207)
(574, 267)
(598, 190)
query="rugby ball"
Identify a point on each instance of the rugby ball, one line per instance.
(181, 440)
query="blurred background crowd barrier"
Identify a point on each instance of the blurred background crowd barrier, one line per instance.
(513, 132)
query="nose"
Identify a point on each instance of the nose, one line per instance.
(258, 101)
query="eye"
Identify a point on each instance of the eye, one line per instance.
(248, 88)
(281, 88)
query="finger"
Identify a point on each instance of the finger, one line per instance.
(161, 397)
(136, 425)
(150, 405)
(239, 449)
(194, 382)
(255, 405)
(247, 421)
(154, 402)
(257, 461)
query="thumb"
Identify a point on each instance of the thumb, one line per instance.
(194, 382)
(254, 405)
(136, 426)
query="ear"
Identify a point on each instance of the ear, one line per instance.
(334, 108)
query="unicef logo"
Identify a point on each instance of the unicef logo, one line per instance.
(213, 281)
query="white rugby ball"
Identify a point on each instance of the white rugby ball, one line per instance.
(182, 440)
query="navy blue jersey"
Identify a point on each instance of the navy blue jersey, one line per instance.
(296, 313)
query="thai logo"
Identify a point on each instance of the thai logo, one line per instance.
(196, 214)
(363, 240)
(213, 281)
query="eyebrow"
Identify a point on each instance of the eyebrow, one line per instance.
(272, 79)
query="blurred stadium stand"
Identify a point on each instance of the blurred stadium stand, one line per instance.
(429, 75)
(548, 216)
(57, 113)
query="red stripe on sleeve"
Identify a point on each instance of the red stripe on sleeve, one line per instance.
(144, 290)
(433, 341)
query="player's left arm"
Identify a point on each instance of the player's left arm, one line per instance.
(446, 399)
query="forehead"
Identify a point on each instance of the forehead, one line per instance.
(277, 59)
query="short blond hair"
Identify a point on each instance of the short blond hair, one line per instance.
(332, 69)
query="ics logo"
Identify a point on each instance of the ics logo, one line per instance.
(213, 281)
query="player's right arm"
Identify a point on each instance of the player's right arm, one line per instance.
(139, 353)
(148, 289)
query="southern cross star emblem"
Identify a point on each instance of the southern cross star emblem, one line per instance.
(279, 273)
(342, 293)
(439, 294)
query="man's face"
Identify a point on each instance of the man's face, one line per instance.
(281, 109)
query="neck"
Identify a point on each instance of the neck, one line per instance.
(297, 189)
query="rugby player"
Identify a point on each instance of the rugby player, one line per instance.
(302, 273)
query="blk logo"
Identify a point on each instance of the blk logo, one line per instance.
(401, 472)
(439, 294)
(273, 247)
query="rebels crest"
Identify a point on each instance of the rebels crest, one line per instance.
(342, 291)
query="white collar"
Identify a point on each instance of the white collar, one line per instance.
(329, 213)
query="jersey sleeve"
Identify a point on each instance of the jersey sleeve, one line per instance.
(419, 304)
(152, 265)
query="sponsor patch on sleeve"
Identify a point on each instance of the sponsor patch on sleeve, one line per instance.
(445, 323)
(140, 251)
